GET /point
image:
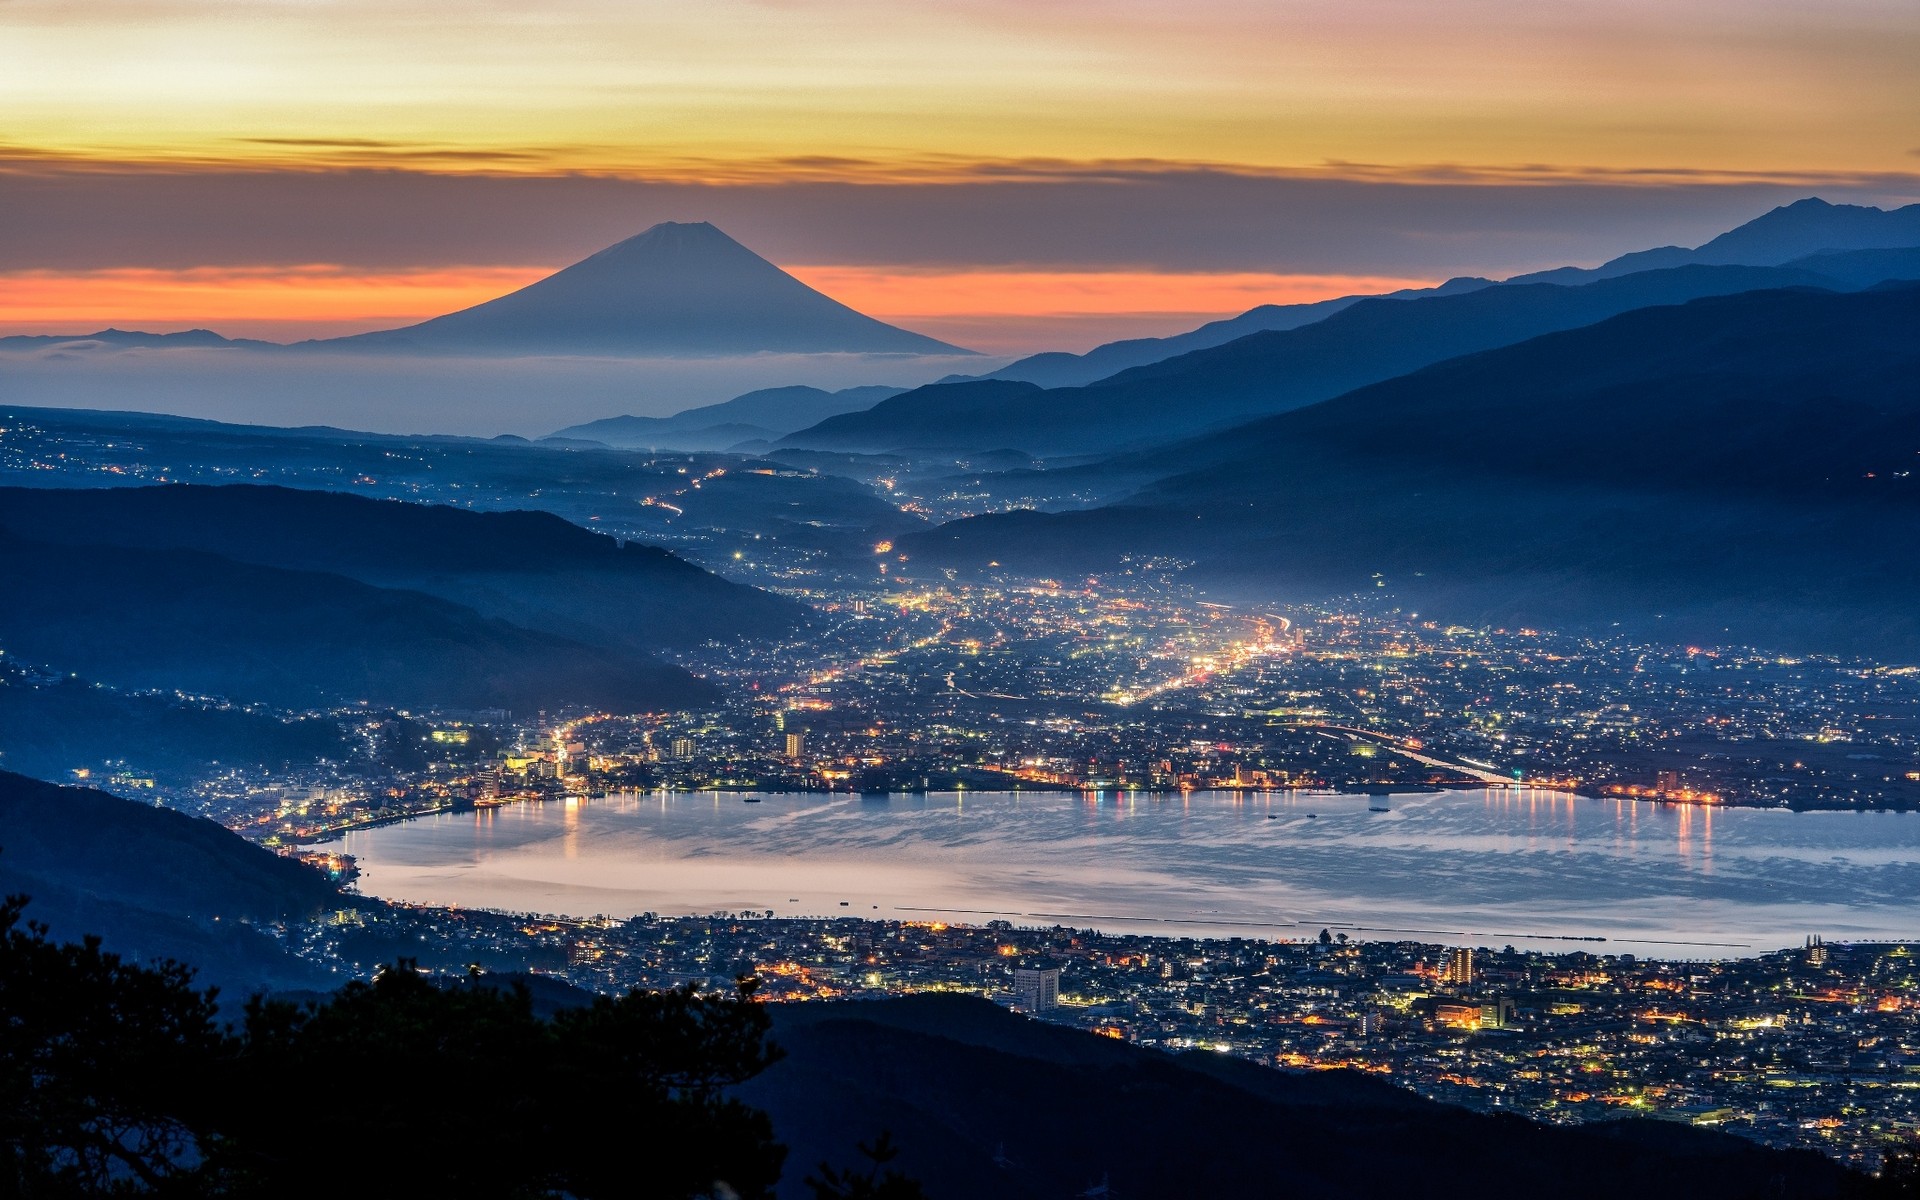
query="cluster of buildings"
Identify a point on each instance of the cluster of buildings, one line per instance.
(988, 686)
(991, 688)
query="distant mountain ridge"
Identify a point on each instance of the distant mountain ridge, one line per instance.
(531, 568)
(1059, 369)
(1265, 373)
(128, 339)
(676, 289)
(1736, 468)
(189, 621)
(1775, 238)
(1792, 231)
(300, 598)
(766, 413)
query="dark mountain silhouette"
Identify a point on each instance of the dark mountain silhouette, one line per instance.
(591, 487)
(50, 727)
(1776, 238)
(766, 413)
(1735, 468)
(196, 622)
(1863, 268)
(1265, 373)
(1058, 369)
(121, 339)
(677, 289)
(531, 568)
(982, 1102)
(156, 884)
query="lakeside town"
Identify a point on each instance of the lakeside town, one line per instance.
(1816, 1046)
(1140, 688)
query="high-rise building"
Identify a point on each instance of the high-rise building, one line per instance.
(682, 747)
(796, 744)
(1816, 951)
(1037, 988)
(1458, 967)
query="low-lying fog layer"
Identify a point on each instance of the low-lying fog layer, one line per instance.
(392, 394)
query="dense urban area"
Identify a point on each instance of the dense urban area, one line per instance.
(1093, 688)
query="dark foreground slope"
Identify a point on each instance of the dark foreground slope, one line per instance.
(961, 1083)
(1268, 373)
(531, 568)
(155, 884)
(1737, 467)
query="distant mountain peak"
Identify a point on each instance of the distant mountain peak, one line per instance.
(1809, 226)
(1775, 238)
(677, 288)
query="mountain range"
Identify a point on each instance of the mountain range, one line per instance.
(1737, 467)
(297, 598)
(531, 568)
(1058, 369)
(761, 415)
(1805, 227)
(1783, 235)
(1271, 372)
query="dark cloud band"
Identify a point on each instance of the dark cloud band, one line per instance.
(1170, 217)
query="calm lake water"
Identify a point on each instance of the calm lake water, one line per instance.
(1476, 867)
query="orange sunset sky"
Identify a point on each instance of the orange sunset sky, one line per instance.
(1007, 174)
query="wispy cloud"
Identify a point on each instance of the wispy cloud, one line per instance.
(567, 160)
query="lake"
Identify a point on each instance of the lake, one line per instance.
(1493, 867)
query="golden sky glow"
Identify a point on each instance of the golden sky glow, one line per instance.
(968, 93)
(284, 303)
(1735, 85)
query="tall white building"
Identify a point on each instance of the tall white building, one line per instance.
(1038, 988)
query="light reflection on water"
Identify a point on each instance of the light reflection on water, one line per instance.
(1496, 866)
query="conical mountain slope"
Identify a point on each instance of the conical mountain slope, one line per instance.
(677, 289)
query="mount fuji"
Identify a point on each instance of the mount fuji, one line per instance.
(679, 289)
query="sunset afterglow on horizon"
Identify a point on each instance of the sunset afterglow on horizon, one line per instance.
(289, 303)
(745, 112)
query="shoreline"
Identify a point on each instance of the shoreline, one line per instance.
(1239, 878)
(1370, 792)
